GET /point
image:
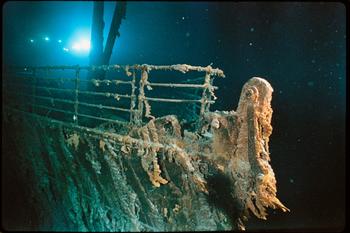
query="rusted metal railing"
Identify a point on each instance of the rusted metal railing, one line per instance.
(140, 103)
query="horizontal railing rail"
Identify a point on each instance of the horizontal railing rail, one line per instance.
(183, 68)
(106, 94)
(53, 100)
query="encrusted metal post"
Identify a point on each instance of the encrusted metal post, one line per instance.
(204, 99)
(141, 97)
(133, 97)
(76, 104)
(209, 96)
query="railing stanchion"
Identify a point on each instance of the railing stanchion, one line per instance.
(141, 97)
(204, 99)
(209, 96)
(132, 99)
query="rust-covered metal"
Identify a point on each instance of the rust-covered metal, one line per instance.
(234, 144)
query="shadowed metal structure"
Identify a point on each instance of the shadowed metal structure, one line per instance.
(143, 171)
(98, 55)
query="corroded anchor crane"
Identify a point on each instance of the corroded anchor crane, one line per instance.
(223, 156)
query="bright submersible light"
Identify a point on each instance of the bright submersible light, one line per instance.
(82, 45)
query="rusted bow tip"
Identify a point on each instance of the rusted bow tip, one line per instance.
(257, 89)
(261, 82)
